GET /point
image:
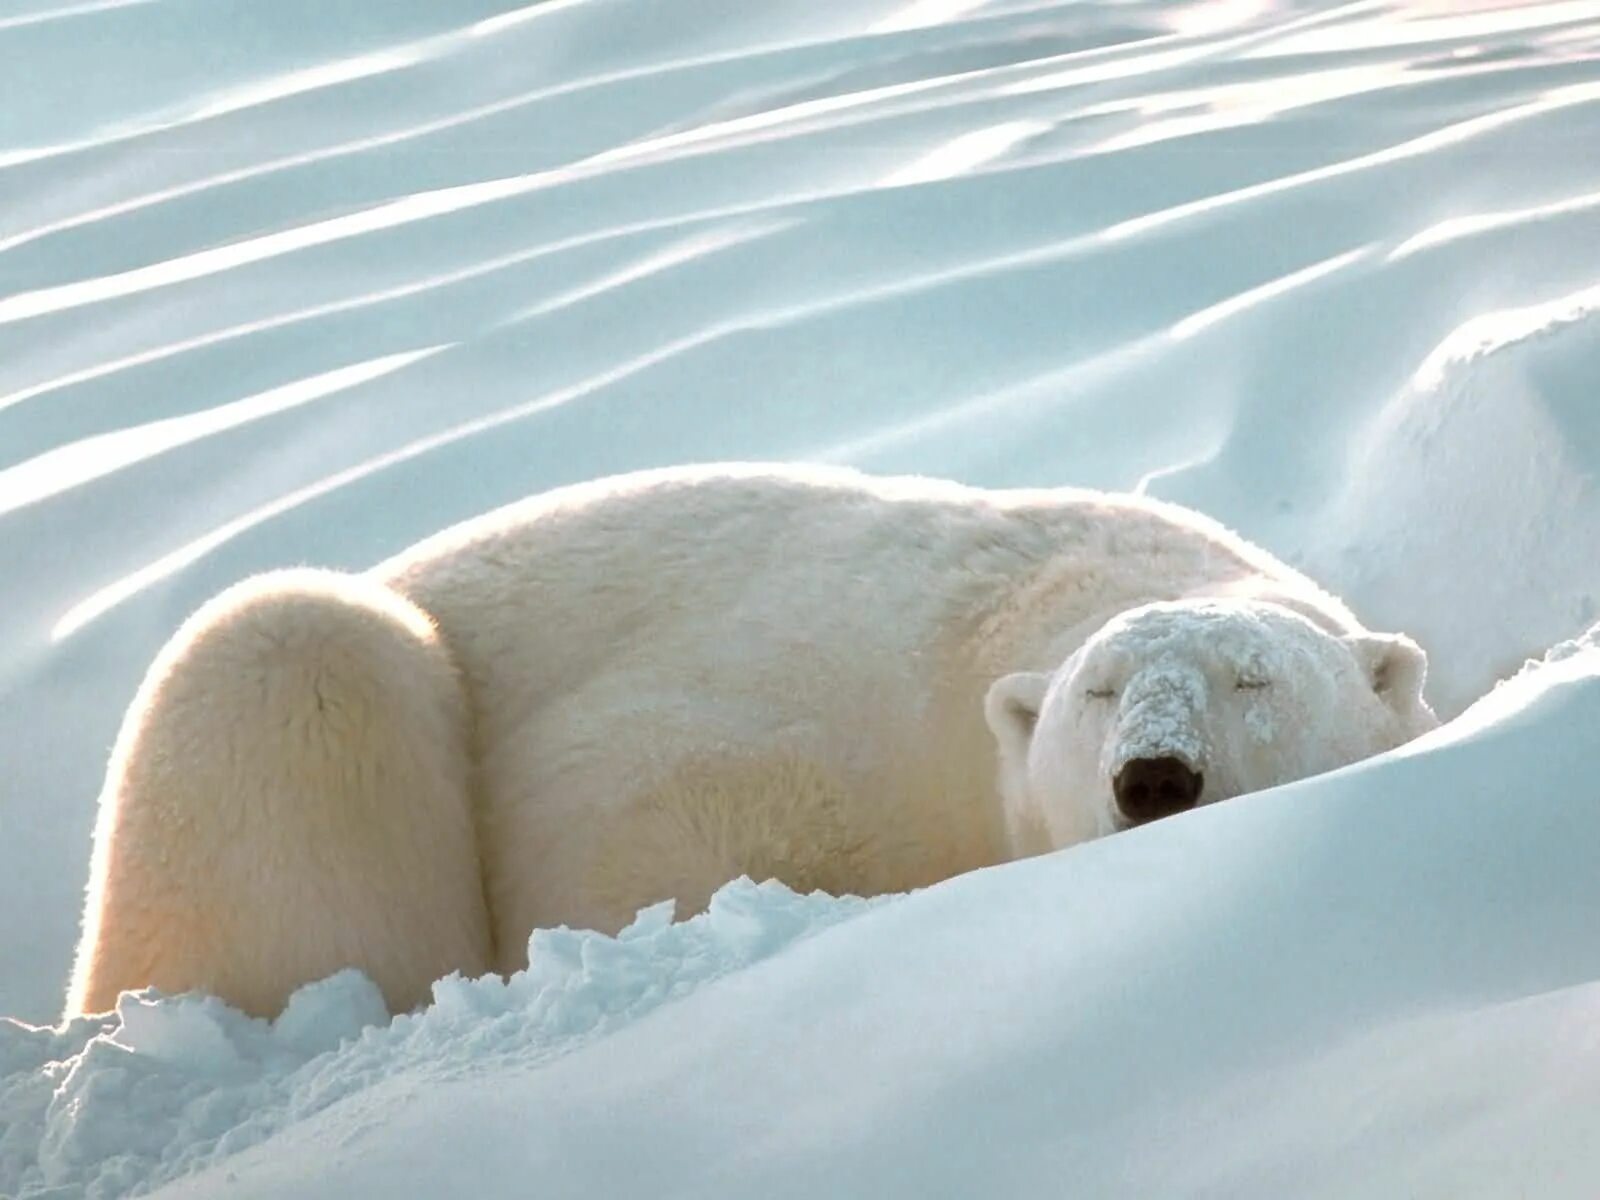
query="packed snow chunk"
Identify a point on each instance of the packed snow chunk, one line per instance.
(320, 1016)
(190, 1033)
(109, 1105)
(33, 1062)
(1473, 510)
(578, 979)
(1587, 642)
(160, 1076)
(652, 919)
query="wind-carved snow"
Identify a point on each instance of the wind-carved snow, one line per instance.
(81, 462)
(966, 153)
(1497, 437)
(107, 1106)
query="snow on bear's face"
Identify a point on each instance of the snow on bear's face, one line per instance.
(1182, 703)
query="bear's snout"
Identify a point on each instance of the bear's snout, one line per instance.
(1150, 788)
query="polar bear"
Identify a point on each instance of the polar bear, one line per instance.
(643, 687)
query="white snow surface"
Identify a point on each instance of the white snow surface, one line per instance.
(166, 1085)
(304, 283)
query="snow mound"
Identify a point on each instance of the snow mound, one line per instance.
(1497, 440)
(111, 1105)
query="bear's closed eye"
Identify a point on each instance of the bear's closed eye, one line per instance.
(1251, 685)
(1100, 693)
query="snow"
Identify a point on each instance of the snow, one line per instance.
(1319, 270)
(167, 1085)
(1497, 428)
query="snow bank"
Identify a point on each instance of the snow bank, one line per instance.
(1376, 982)
(166, 1085)
(1497, 439)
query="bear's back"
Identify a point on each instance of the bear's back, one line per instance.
(789, 559)
(649, 643)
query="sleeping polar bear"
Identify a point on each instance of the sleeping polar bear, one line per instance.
(644, 687)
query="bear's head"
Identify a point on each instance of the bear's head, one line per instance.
(1176, 704)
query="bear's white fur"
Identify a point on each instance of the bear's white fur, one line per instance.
(646, 686)
(289, 795)
(1246, 694)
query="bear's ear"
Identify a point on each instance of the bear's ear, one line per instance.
(1396, 666)
(1012, 708)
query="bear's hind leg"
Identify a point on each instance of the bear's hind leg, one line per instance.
(289, 795)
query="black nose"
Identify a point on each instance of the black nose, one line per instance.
(1150, 788)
